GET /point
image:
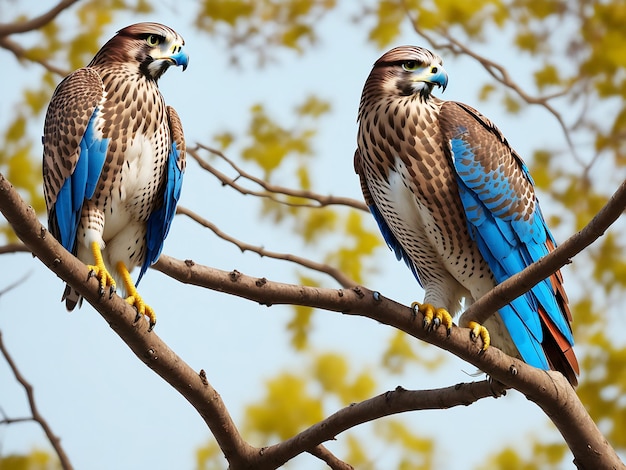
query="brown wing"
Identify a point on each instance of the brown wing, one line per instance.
(176, 129)
(358, 169)
(69, 112)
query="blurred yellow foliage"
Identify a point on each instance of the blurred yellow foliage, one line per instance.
(287, 408)
(209, 457)
(35, 460)
(417, 452)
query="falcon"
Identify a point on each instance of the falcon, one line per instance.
(114, 158)
(458, 205)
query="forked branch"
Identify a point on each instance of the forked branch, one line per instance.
(549, 390)
(279, 194)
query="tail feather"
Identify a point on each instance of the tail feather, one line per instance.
(559, 352)
(72, 298)
(558, 349)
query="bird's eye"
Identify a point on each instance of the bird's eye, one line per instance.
(410, 65)
(154, 40)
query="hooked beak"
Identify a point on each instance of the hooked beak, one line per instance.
(180, 58)
(435, 75)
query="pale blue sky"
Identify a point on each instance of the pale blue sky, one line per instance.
(108, 408)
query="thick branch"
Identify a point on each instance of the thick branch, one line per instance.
(524, 281)
(147, 346)
(154, 353)
(340, 277)
(549, 390)
(386, 404)
(30, 395)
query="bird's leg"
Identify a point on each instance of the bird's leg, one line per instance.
(476, 330)
(99, 271)
(133, 297)
(433, 317)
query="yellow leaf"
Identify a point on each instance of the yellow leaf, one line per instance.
(286, 408)
(314, 107)
(330, 370)
(300, 326)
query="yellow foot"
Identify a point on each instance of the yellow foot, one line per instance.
(478, 330)
(433, 317)
(99, 271)
(134, 298)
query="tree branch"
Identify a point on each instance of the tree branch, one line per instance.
(333, 462)
(336, 274)
(549, 390)
(37, 22)
(36, 416)
(11, 248)
(17, 420)
(386, 404)
(319, 200)
(147, 346)
(22, 54)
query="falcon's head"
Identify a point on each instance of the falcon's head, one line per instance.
(152, 46)
(408, 70)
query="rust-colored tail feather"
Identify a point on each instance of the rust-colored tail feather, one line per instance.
(559, 352)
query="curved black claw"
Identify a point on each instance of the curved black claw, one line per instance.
(498, 389)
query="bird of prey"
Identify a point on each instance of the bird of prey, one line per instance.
(113, 159)
(457, 204)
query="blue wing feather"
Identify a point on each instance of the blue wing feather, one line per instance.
(160, 220)
(508, 245)
(80, 185)
(392, 241)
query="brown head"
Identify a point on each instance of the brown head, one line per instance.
(151, 47)
(405, 71)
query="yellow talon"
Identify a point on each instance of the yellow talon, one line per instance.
(478, 330)
(133, 297)
(99, 271)
(433, 317)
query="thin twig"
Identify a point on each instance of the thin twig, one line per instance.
(335, 273)
(329, 458)
(14, 284)
(319, 200)
(22, 54)
(30, 394)
(501, 75)
(16, 420)
(232, 182)
(11, 248)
